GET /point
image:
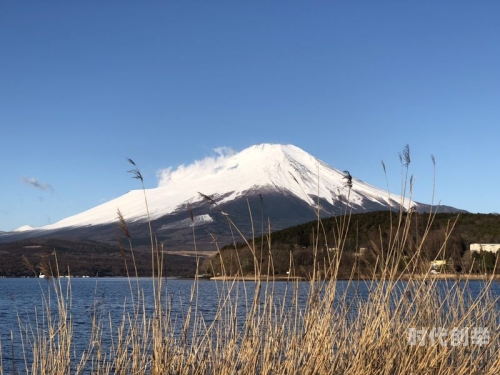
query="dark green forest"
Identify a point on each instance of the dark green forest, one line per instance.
(363, 238)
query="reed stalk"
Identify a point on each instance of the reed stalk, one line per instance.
(338, 330)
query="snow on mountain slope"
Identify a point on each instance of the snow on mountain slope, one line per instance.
(185, 223)
(283, 168)
(24, 228)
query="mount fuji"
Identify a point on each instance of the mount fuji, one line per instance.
(267, 184)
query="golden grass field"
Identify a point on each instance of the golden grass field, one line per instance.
(329, 334)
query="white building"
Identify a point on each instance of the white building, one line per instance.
(438, 263)
(491, 247)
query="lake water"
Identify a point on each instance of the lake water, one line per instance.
(21, 299)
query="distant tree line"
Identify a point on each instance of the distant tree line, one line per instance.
(363, 238)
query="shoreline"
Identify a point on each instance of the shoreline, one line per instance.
(262, 278)
(448, 276)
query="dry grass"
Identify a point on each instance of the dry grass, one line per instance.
(332, 333)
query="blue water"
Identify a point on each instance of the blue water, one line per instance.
(22, 300)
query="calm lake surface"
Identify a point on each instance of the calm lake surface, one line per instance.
(21, 300)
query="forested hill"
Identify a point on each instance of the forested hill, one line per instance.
(367, 236)
(363, 229)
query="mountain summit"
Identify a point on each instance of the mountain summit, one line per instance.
(282, 183)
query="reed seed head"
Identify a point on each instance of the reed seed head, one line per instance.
(207, 198)
(135, 172)
(190, 210)
(123, 225)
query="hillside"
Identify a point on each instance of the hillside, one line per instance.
(366, 231)
(31, 257)
(367, 238)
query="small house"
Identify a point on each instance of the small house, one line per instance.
(490, 247)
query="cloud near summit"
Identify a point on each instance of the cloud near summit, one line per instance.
(205, 166)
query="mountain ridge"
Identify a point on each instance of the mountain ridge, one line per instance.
(265, 172)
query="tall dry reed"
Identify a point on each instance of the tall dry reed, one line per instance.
(333, 332)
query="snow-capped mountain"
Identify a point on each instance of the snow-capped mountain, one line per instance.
(281, 183)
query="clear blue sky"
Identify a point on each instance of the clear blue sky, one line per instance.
(83, 85)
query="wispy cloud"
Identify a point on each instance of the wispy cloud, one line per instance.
(208, 165)
(33, 182)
